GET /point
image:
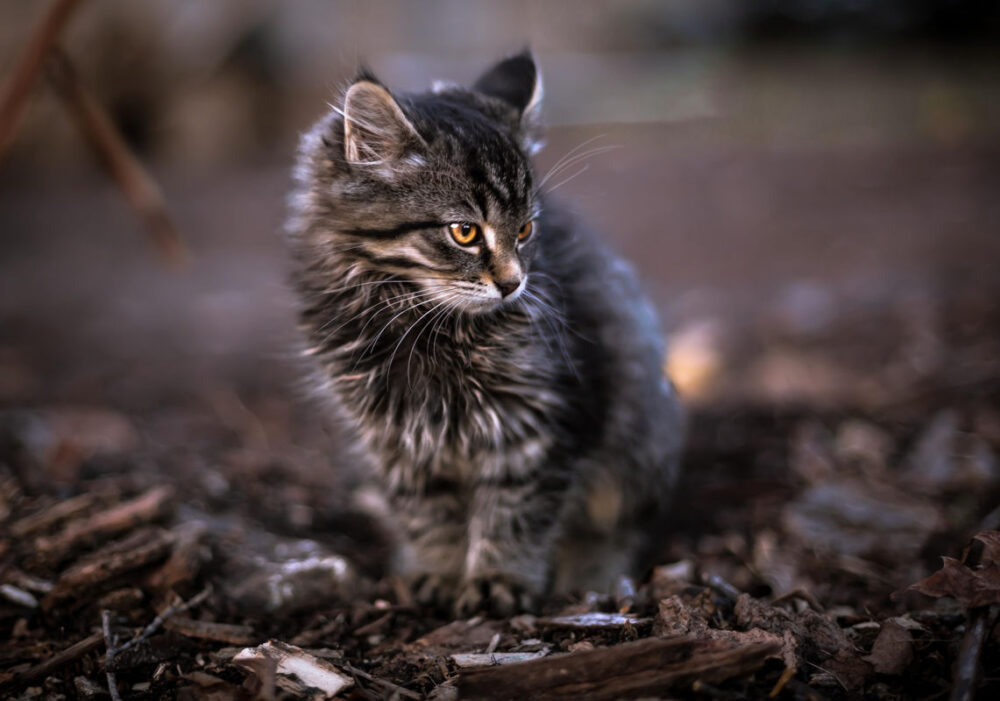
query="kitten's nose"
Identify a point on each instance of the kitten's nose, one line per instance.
(507, 287)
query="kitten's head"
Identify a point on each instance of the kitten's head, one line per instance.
(435, 188)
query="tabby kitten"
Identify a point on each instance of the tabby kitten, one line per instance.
(497, 365)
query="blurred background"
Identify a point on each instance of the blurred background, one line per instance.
(810, 190)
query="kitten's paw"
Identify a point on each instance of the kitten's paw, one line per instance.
(433, 590)
(496, 595)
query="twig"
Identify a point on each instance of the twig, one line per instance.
(15, 94)
(721, 586)
(394, 688)
(135, 182)
(109, 655)
(111, 642)
(981, 622)
(967, 666)
(64, 657)
(157, 622)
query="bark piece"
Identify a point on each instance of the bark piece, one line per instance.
(630, 670)
(490, 659)
(595, 621)
(295, 670)
(155, 504)
(60, 511)
(209, 630)
(189, 555)
(144, 547)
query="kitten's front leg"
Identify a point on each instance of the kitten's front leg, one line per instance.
(433, 555)
(512, 530)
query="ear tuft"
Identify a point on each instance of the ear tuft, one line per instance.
(514, 80)
(376, 131)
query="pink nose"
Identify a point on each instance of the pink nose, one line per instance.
(507, 287)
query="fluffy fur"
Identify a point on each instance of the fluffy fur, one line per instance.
(507, 394)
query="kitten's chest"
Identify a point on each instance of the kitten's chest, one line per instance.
(482, 411)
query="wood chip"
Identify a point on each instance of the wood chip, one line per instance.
(296, 670)
(144, 547)
(208, 630)
(153, 505)
(490, 659)
(46, 518)
(18, 596)
(590, 621)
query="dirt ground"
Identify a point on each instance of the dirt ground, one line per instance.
(836, 333)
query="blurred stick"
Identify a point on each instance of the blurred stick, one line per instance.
(15, 93)
(132, 178)
(981, 622)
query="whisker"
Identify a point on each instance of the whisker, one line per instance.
(416, 338)
(374, 342)
(406, 333)
(569, 154)
(570, 162)
(379, 308)
(555, 187)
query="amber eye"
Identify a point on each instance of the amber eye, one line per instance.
(464, 233)
(525, 233)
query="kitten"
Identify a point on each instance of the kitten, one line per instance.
(498, 366)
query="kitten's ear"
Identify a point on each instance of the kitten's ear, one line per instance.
(517, 81)
(376, 132)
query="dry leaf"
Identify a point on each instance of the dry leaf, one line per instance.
(893, 649)
(970, 587)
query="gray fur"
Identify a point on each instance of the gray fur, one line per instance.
(522, 443)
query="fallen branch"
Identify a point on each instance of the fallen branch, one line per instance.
(135, 182)
(644, 668)
(15, 94)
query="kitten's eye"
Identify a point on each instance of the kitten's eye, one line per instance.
(525, 233)
(464, 233)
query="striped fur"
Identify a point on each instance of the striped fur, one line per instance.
(522, 442)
